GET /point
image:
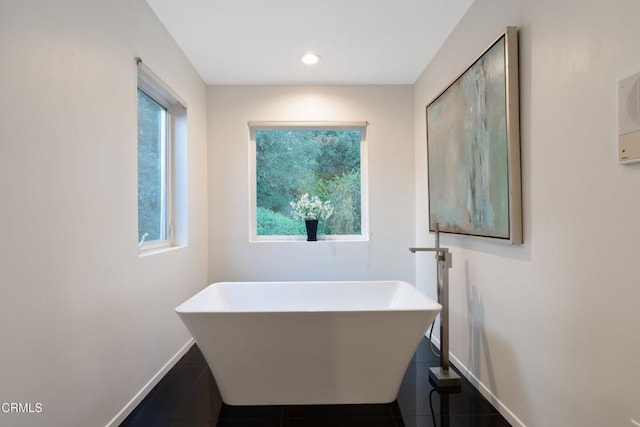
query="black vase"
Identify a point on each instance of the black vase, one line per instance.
(312, 229)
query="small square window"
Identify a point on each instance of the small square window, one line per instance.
(323, 161)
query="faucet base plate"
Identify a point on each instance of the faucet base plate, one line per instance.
(444, 378)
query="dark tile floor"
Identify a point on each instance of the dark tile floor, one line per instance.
(188, 396)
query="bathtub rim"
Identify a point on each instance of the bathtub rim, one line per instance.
(429, 303)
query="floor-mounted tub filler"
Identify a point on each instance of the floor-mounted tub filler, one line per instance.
(443, 376)
(279, 343)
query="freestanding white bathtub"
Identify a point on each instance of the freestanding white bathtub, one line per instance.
(276, 343)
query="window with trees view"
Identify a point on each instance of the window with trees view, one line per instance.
(152, 169)
(323, 161)
(161, 134)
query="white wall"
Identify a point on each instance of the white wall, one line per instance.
(85, 322)
(551, 327)
(388, 109)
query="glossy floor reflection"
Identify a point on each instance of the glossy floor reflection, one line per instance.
(188, 396)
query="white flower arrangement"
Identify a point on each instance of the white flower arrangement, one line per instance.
(311, 208)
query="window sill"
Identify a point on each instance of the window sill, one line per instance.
(303, 239)
(153, 251)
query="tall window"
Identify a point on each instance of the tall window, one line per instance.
(152, 169)
(326, 161)
(161, 131)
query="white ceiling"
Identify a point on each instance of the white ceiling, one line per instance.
(359, 41)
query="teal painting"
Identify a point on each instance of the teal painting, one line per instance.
(468, 151)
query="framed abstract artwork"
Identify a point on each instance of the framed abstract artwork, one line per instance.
(473, 148)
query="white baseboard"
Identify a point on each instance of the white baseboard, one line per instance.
(483, 389)
(129, 407)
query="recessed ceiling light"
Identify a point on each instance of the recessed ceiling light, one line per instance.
(310, 58)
